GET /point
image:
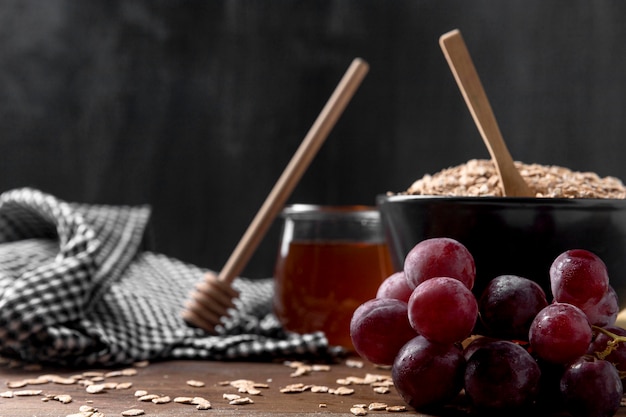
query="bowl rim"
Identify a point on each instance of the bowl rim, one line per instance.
(540, 201)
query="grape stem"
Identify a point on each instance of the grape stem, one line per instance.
(611, 345)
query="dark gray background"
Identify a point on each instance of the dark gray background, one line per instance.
(195, 107)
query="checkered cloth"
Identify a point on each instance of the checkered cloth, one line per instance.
(78, 286)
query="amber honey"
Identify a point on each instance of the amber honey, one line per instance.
(319, 284)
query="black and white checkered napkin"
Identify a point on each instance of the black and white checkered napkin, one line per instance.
(78, 286)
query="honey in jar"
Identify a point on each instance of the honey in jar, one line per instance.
(330, 261)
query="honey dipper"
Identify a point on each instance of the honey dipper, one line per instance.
(214, 295)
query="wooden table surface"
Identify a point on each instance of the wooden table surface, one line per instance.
(219, 378)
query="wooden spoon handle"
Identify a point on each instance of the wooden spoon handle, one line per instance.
(469, 83)
(295, 169)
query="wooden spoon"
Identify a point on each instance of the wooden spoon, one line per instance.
(462, 67)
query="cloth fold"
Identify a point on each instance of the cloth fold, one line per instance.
(79, 285)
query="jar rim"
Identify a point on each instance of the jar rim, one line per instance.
(305, 210)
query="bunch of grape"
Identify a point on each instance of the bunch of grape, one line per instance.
(507, 349)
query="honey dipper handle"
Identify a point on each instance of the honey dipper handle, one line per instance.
(298, 164)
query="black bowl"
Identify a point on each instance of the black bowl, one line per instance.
(507, 235)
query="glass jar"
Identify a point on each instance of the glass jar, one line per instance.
(330, 260)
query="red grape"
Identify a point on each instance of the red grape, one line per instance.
(605, 312)
(560, 333)
(501, 374)
(427, 374)
(439, 257)
(578, 277)
(591, 388)
(475, 344)
(443, 310)
(379, 328)
(509, 304)
(395, 286)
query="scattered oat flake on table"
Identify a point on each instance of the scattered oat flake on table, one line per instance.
(6, 394)
(230, 397)
(194, 383)
(63, 398)
(162, 400)
(241, 401)
(95, 388)
(382, 390)
(124, 385)
(295, 388)
(319, 388)
(56, 379)
(377, 407)
(342, 391)
(303, 369)
(353, 363)
(396, 408)
(247, 386)
(140, 393)
(16, 384)
(201, 403)
(87, 409)
(183, 400)
(27, 392)
(148, 397)
(92, 374)
(322, 405)
(141, 364)
(133, 412)
(358, 411)
(36, 381)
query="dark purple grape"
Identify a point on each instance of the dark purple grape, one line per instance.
(610, 348)
(443, 310)
(475, 344)
(428, 374)
(501, 375)
(439, 257)
(379, 328)
(395, 286)
(578, 277)
(560, 333)
(509, 304)
(591, 387)
(605, 312)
